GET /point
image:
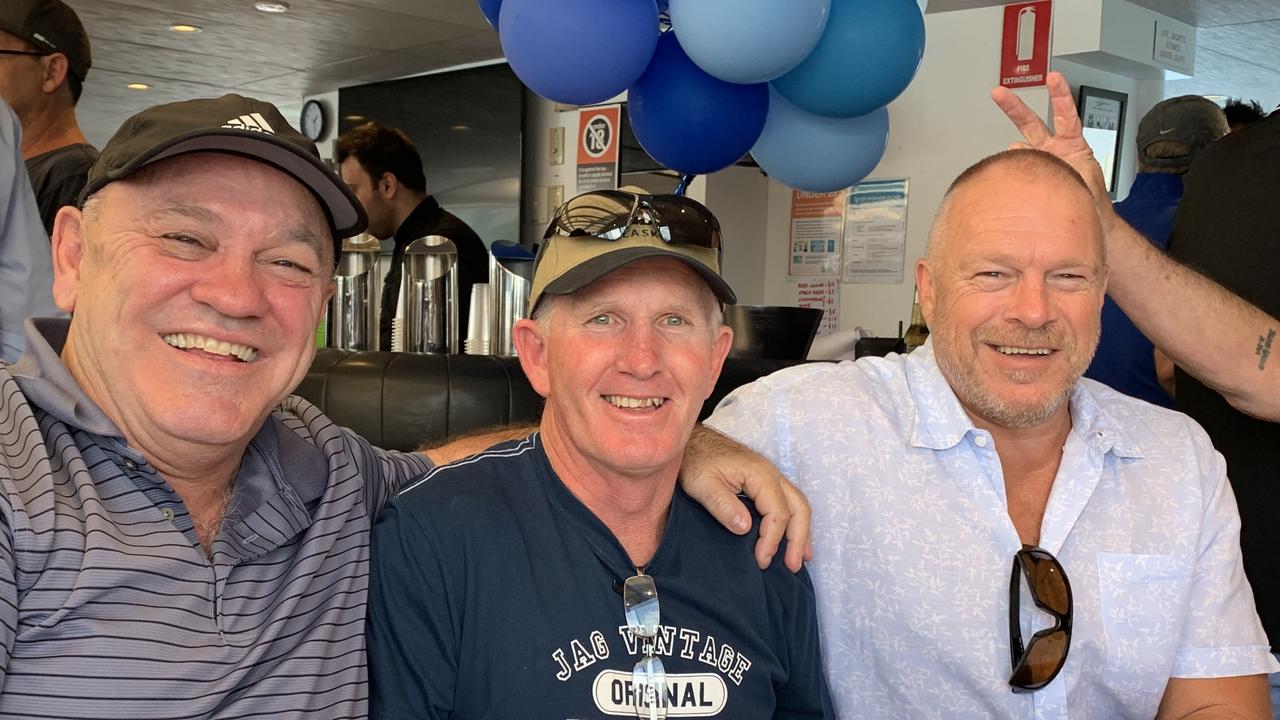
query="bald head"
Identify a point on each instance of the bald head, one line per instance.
(1012, 167)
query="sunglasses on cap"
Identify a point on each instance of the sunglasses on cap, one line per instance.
(608, 214)
(1036, 664)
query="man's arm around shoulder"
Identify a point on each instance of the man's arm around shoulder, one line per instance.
(714, 471)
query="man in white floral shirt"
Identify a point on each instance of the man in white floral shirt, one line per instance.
(998, 537)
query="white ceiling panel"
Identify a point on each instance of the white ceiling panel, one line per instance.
(322, 45)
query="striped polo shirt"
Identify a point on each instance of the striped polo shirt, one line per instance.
(109, 607)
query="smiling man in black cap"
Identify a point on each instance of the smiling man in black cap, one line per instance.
(44, 58)
(179, 538)
(173, 545)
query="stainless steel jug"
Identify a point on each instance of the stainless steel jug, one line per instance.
(427, 313)
(509, 280)
(353, 319)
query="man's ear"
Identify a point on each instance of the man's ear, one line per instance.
(55, 70)
(531, 346)
(388, 185)
(720, 348)
(68, 252)
(924, 285)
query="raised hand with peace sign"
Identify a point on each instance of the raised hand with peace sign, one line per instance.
(1066, 140)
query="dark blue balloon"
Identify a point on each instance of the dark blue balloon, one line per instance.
(578, 52)
(868, 54)
(690, 121)
(490, 9)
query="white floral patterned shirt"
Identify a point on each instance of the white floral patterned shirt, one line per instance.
(914, 545)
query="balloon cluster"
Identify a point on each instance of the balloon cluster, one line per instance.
(801, 84)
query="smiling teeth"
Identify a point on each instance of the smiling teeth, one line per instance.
(184, 341)
(622, 401)
(1008, 350)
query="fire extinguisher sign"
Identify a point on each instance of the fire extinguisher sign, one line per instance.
(1024, 49)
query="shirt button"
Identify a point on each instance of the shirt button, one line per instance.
(980, 441)
(167, 513)
(130, 465)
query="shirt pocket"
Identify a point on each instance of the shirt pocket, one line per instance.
(1143, 602)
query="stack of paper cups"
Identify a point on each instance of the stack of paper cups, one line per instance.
(479, 324)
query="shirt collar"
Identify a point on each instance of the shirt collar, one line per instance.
(46, 382)
(1099, 428)
(940, 421)
(422, 216)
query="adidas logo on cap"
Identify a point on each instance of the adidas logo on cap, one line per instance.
(253, 121)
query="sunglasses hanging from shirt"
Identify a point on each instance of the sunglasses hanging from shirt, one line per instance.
(649, 677)
(1040, 661)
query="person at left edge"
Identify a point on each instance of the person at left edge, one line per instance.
(500, 585)
(26, 267)
(179, 538)
(44, 59)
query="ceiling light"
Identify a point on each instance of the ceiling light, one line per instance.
(460, 127)
(182, 28)
(272, 7)
(138, 86)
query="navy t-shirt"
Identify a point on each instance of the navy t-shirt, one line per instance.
(493, 596)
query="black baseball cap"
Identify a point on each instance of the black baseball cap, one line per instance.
(52, 26)
(230, 124)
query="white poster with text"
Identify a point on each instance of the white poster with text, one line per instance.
(875, 232)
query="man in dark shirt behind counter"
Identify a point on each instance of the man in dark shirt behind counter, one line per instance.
(44, 57)
(384, 170)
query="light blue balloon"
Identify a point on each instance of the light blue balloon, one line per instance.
(816, 153)
(748, 41)
(867, 56)
(578, 52)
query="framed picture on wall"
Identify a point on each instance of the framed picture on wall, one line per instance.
(1102, 113)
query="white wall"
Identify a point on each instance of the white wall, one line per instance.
(944, 122)
(739, 197)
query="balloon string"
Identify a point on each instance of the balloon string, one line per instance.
(684, 184)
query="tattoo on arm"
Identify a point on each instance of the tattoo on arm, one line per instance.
(1263, 350)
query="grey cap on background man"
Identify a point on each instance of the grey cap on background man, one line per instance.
(1189, 121)
(52, 26)
(230, 124)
